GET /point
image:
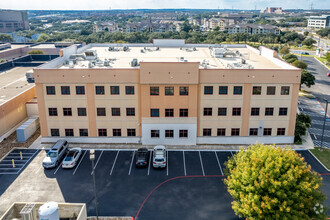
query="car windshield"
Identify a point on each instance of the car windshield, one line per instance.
(71, 153)
(159, 159)
(141, 160)
(52, 154)
(68, 159)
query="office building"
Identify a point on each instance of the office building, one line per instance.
(11, 21)
(319, 22)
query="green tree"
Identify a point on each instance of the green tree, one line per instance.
(6, 38)
(306, 33)
(300, 64)
(303, 122)
(36, 52)
(290, 58)
(309, 42)
(43, 38)
(268, 182)
(284, 50)
(307, 78)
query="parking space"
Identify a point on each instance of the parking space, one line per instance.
(16, 161)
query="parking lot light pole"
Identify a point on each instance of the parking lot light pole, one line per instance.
(325, 118)
(92, 158)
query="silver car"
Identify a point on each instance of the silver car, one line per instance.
(72, 158)
(159, 157)
(55, 154)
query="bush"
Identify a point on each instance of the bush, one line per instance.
(290, 58)
(303, 122)
(300, 64)
(36, 52)
(309, 42)
(284, 50)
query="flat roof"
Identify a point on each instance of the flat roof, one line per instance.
(44, 46)
(13, 82)
(236, 58)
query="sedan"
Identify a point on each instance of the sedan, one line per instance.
(72, 158)
(328, 74)
(142, 157)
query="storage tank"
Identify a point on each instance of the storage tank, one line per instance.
(49, 211)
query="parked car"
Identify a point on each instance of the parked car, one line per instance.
(328, 74)
(159, 157)
(72, 158)
(142, 157)
(305, 53)
(55, 154)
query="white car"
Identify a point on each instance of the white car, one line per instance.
(159, 157)
(72, 158)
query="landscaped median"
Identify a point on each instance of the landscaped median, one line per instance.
(323, 155)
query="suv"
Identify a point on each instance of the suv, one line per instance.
(142, 156)
(55, 154)
(159, 157)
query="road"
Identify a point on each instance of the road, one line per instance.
(315, 107)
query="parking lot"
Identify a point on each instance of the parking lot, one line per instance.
(6, 165)
(190, 187)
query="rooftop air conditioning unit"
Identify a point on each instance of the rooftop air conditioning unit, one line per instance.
(111, 48)
(125, 48)
(28, 212)
(134, 62)
(106, 62)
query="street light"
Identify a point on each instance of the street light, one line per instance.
(92, 158)
(325, 117)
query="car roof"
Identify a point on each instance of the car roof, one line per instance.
(159, 147)
(58, 144)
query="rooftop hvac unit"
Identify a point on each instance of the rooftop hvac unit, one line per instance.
(71, 64)
(49, 211)
(125, 48)
(106, 62)
(111, 48)
(181, 59)
(157, 48)
(243, 61)
(194, 49)
(142, 51)
(90, 54)
(134, 62)
(28, 212)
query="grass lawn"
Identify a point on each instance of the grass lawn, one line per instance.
(323, 60)
(323, 156)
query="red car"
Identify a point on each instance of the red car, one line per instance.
(328, 74)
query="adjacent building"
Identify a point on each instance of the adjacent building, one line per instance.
(272, 10)
(168, 92)
(252, 29)
(105, 26)
(11, 21)
(319, 22)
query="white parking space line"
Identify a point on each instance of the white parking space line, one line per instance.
(60, 164)
(216, 155)
(97, 162)
(79, 163)
(149, 163)
(167, 163)
(200, 158)
(232, 155)
(130, 168)
(184, 164)
(114, 162)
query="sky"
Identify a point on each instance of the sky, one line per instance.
(159, 4)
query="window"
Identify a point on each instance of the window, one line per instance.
(235, 132)
(116, 132)
(154, 112)
(54, 132)
(184, 90)
(285, 90)
(65, 90)
(103, 132)
(83, 132)
(114, 90)
(169, 90)
(82, 112)
(183, 133)
(129, 90)
(253, 131)
(99, 90)
(67, 111)
(80, 90)
(236, 111)
(169, 112)
(208, 90)
(238, 90)
(131, 132)
(221, 132)
(269, 111)
(169, 133)
(222, 111)
(207, 111)
(50, 90)
(223, 90)
(280, 131)
(154, 133)
(52, 111)
(207, 131)
(130, 111)
(115, 111)
(100, 111)
(283, 111)
(271, 90)
(256, 90)
(69, 132)
(183, 112)
(267, 131)
(154, 90)
(255, 111)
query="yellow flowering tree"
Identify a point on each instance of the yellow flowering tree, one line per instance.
(268, 182)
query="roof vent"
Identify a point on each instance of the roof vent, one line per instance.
(125, 48)
(134, 62)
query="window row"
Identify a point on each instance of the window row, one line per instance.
(169, 112)
(169, 90)
(254, 111)
(83, 112)
(236, 132)
(83, 132)
(99, 90)
(169, 133)
(238, 90)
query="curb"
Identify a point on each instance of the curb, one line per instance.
(319, 161)
(322, 63)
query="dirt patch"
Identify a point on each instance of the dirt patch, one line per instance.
(11, 142)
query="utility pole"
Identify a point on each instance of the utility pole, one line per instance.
(325, 118)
